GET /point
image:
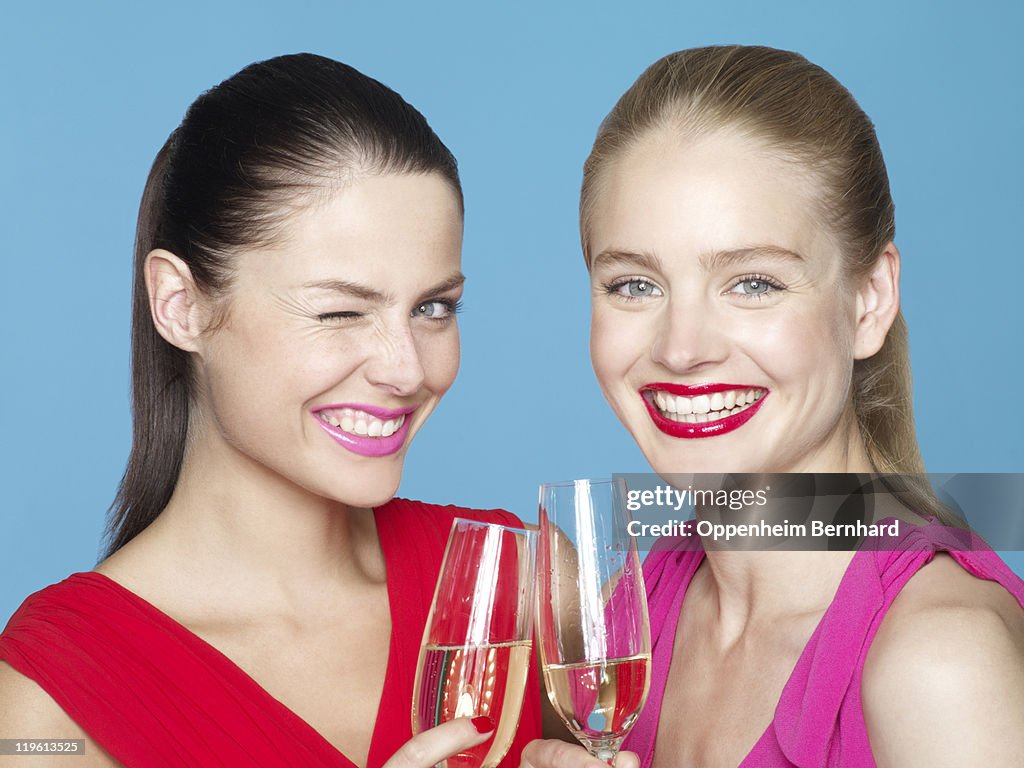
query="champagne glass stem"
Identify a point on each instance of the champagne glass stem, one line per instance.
(605, 750)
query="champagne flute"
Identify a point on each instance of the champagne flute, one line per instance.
(477, 643)
(594, 634)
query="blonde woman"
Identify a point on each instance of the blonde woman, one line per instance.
(738, 228)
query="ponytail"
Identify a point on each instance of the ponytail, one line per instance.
(160, 392)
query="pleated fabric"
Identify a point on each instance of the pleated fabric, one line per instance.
(819, 719)
(152, 693)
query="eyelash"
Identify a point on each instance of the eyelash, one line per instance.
(775, 285)
(612, 288)
(453, 308)
(338, 316)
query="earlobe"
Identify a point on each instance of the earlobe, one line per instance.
(878, 302)
(173, 299)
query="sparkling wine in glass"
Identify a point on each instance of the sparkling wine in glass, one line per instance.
(477, 643)
(594, 634)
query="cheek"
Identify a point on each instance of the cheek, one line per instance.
(602, 354)
(615, 342)
(810, 349)
(237, 386)
(440, 354)
(262, 366)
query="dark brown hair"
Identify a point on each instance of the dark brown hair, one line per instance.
(248, 152)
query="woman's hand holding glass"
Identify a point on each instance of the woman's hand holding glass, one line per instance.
(551, 753)
(477, 643)
(437, 745)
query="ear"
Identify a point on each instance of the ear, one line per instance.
(174, 299)
(878, 302)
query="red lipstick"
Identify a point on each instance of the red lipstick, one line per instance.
(706, 429)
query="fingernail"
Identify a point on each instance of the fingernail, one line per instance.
(483, 724)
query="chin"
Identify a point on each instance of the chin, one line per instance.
(360, 488)
(698, 459)
(370, 494)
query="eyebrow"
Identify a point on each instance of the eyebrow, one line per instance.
(366, 293)
(710, 261)
(451, 283)
(639, 259)
(349, 289)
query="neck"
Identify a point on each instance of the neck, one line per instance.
(763, 588)
(757, 587)
(244, 529)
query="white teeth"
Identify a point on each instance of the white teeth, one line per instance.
(361, 423)
(718, 405)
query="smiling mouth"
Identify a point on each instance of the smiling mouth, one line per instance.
(704, 408)
(360, 423)
(701, 410)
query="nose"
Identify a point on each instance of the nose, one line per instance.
(395, 364)
(689, 339)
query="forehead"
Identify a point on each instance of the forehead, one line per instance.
(372, 227)
(690, 196)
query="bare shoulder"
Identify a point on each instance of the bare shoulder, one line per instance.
(28, 712)
(944, 678)
(26, 709)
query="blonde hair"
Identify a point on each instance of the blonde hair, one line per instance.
(803, 114)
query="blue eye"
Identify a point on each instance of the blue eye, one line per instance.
(438, 309)
(634, 288)
(755, 286)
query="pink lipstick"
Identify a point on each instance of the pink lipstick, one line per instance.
(719, 426)
(339, 421)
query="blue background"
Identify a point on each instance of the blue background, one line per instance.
(90, 93)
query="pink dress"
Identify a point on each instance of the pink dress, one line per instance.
(819, 720)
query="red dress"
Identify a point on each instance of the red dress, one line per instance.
(152, 693)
